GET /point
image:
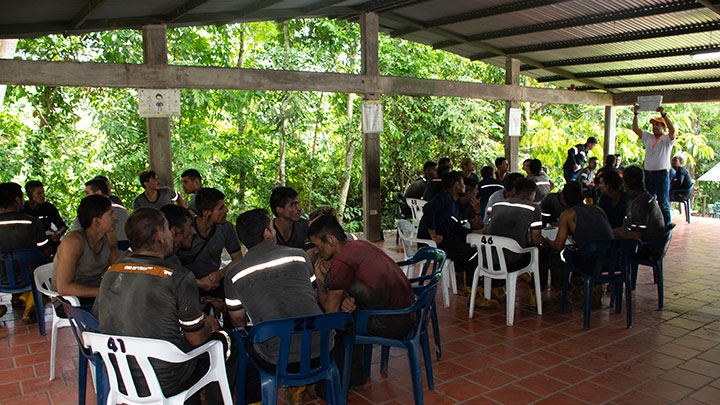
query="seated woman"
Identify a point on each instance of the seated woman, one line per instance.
(84, 255)
(584, 223)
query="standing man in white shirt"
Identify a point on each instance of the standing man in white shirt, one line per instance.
(658, 149)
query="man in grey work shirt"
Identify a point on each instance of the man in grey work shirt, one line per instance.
(191, 184)
(213, 234)
(154, 195)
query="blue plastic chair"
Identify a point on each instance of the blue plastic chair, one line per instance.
(302, 327)
(416, 344)
(611, 265)
(432, 268)
(19, 260)
(80, 321)
(657, 266)
(682, 196)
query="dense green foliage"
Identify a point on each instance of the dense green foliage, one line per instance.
(247, 142)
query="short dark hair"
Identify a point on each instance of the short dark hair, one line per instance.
(535, 166)
(470, 183)
(612, 179)
(590, 140)
(449, 180)
(31, 185)
(92, 206)
(251, 225)
(142, 225)
(499, 160)
(322, 210)
(192, 173)
(609, 160)
(634, 178)
(280, 197)
(9, 192)
(97, 184)
(593, 159)
(443, 170)
(524, 187)
(429, 164)
(327, 225)
(679, 158)
(101, 177)
(176, 215)
(512, 179)
(146, 176)
(572, 193)
(207, 198)
(444, 161)
(487, 172)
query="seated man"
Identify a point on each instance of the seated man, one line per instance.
(445, 161)
(441, 223)
(584, 223)
(144, 295)
(115, 199)
(467, 166)
(19, 231)
(180, 222)
(503, 168)
(434, 187)
(679, 178)
(586, 177)
(501, 195)
(518, 218)
(213, 233)
(644, 219)
(84, 255)
(37, 207)
(552, 206)
(290, 228)
(417, 188)
(526, 167)
(487, 187)
(614, 200)
(542, 181)
(99, 187)
(191, 184)
(155, 196)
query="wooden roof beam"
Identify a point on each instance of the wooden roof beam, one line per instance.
(183, 9)
(85, 13)
(638, 71)
(706, 95)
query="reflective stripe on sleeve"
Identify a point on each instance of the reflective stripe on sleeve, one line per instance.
(232, 303)
(516, 205)
(43, 243)
(192, 322)
(267, 265)
(536, 224)
(16, 222)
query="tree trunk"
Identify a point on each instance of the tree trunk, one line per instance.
(7, 51)
(241, 116)
(318, 120)
(283, 122)
(350, 146)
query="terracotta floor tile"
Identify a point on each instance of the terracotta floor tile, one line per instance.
(544, 358)
(429, 397)
(542, 384)
(461, 346)
(694, 342)
(665, 390)
(503, 352)
(9, 390)
(681, 352)
(711, 355)
(475, 361)
(383, 391)
(707, 395)
(686, 378)
(518, 367)
(33, 399)
(593, 363)
(590, 392)
(639, 397)
(491, 378)
(447, 370)
(617, 382)
(460, 389)
(685, 323)
(560, 399)
(567, 373)
(636, 367)
(660, 360)
(703, 367)
(512, 394)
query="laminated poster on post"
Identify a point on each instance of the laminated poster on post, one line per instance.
(649, 103)
(372, 117)
(515, 119)
(158, 103)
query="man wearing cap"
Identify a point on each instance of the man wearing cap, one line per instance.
(658, 147)
(577, 156)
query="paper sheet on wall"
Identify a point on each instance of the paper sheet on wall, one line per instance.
(158, 103)
(649, 103)
(515, 118)
(372, 117)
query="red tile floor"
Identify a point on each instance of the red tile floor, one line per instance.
(668, 356)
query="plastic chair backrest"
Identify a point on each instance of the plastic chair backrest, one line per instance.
(599, 248)
(487, 244)
(43, 282)
(117, 350)
(22, 260)
(666, 240)
(434, 259)
(80, 321)
(416, 205)
(303, 327)
(407, 231)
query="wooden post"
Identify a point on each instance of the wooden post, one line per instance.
(372, 213)
(158, 129)
(610, 130)
(512, 143)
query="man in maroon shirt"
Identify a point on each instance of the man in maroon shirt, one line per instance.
(361, 276)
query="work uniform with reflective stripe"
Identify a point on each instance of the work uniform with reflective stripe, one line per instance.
(145, 296)
(165, 196)
(514, 218)
(20, 231)
(644, 215)
(542, 181)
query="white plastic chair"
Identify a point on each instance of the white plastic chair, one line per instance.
(416, 206)
(142, 349)
(490, 243)
(43, 275)
(409, 243)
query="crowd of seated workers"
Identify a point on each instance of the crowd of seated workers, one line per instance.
(158, 271)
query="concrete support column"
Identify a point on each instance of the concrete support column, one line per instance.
(158, 129)
(610, 130)
(512, 143)
(372, 209)
(7, 51)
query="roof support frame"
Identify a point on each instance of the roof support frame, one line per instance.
(707, 95)
(184, 8)
(86, 11)
(650, 83)
(637, 71)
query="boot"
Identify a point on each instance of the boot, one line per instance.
(480, 300)
(597, 296)
(29, 312)
(295, 395)
(3, 310)
(533, 298)
(498, 293)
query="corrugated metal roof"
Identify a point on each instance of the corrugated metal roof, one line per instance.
(554, 39)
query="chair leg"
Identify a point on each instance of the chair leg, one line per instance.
(633, 275)
(617, 295)
(368, 359)
(240, 377)
(415, 373)
(661, 293)
(53, 347)
(566, 283)
(473, 293)
(82, 377)
(510, 282)
(628, 306)
(487, 287)
(538, 291)
(446, 286)
(269, 390)
(425, 343)
(39, 310)
(587, 304)
(384, 358)
(453, 280)
(436, 330)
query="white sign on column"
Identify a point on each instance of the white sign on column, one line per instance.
(372, 117)
(158, 103)
(515, 119)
